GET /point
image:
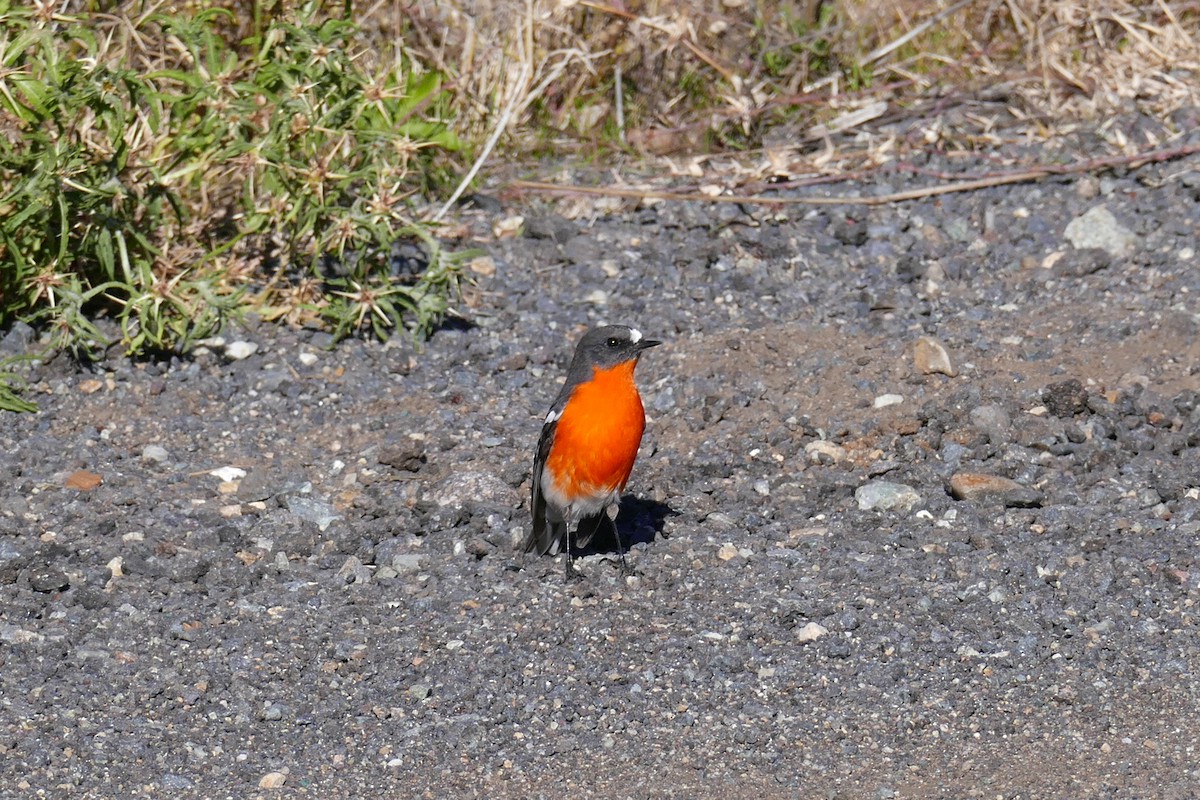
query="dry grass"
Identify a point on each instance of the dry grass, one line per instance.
(712, 75)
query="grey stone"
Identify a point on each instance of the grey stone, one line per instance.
(550, 226)
(886, 496)
(49, 579)
(259, 484)
(311, 509)
(155, 454)
(1099, 229)
(406, 455)
(471, 485)
(404, 563)
(993, 420)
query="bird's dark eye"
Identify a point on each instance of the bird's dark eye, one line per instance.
(613, 341)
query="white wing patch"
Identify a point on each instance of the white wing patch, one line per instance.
(635, 335)
(553, 416)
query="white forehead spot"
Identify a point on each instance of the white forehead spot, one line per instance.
(635, 335)
(552, 416)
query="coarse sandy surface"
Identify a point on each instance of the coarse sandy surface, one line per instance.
(812, 611)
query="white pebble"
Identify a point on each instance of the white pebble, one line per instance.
(886, 496)
(811, 632)
(228, 473)
(823, 447)
(155, 453)
(272, 780)
(236, 351)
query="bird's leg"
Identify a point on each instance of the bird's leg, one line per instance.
(567, 555)
(621, 552)
(568, 558)
(612, 514)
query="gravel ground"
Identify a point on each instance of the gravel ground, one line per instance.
(291, 572)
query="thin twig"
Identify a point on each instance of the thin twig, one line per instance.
(1003, 179)
(620, 101)
(518, 88)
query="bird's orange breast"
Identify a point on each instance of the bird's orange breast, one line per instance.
(598, 434)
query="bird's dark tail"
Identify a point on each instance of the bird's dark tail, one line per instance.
(547, 535)
(590, 527)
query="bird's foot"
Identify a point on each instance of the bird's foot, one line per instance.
(572, 574)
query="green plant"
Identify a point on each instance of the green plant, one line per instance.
(345, 148)
(11, 385)
(92, 213)
(150, 166)
(808, 50)
(370, 300)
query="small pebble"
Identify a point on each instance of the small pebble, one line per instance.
(236, 351)
(49, 580)
(886, 496)
(228, 474)
(822, 449)
(1099, 229)
(930, 356)
(982, 488)
(83, 480)
(153, 453)
(407, 562)
(272, 780)
(811, 632)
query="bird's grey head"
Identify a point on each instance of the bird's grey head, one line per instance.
(607, 346)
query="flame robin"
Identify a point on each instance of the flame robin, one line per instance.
(588, 444)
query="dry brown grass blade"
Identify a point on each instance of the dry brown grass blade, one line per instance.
(890, 47)
(501, 127)
(701, 74)
(1000, 179)
(684, 39)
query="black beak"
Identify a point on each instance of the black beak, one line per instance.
(646, 344)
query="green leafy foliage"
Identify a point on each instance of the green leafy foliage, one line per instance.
(10, 387)
(151, 168)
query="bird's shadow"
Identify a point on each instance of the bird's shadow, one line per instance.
(639, 521)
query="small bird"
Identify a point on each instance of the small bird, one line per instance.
(588, 444)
